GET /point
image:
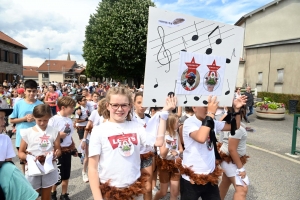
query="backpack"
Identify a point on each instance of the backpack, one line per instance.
(2, 196)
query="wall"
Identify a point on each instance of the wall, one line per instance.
(277, 22)
(240, 76)
(58, 77)
(10, 68)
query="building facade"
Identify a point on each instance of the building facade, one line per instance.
(271, 53)
(11, 59)
(29, 72)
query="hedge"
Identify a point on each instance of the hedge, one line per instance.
(281, 98)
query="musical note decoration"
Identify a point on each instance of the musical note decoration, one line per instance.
(185, 100)
(229, 60)
(218, 41)
(228, 91)
(154, 100)
(172, 93)
(166, 52)
(196, 98)
(184, 43)
(156, 85)
(205, 102)
(195, 37)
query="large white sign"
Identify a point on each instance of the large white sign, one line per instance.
(191, 57)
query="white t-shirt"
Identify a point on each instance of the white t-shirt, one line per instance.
(143, 122)
(118, 145)
(63, 124)
(172, 146)
(240, 134)
(39, 143)
(96, 119)
(7, 150)
(85, 113)
(200, 156)
(92, 105)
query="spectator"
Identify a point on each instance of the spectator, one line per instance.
(250, 102)
(237, 93)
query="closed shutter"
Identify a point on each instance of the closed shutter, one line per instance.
(11, 55)
(18, 57)
(2, 55)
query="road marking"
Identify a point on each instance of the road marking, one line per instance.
(273, 153)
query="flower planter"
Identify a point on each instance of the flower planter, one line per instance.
(279, 113)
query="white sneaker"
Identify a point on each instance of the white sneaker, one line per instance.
(85, 178)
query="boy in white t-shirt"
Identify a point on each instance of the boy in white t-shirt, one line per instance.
(200, 172)
(93, 105)
(82, 115)
(63, 123)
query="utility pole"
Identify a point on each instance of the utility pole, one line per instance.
(49, 64)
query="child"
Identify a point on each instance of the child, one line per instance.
(95, 119)
(64, 125)
(233, 154)
(22, 113)
(115, 147)
(40, 143)
(93, 105)
(51, 98)
(200, 174)
(12, 179)
(81, 115)
(20, 96)
(146, 153)
(168, 172)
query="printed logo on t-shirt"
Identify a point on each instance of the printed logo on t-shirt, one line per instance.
(209, 144)
(44, 143)
(173, 144)
(87, 112)
(67, 129)
(95, 106)
(124, 143)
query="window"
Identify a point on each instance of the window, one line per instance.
(16, 58)
(280, 73)
(260, 74)
(45, 75)
(5, 56)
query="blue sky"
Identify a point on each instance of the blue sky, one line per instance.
(60, 24)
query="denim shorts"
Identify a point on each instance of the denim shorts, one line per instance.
(146, 163)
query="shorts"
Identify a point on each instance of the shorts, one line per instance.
(64, 167)
(21, 162)
(43, 181)
(229, 168)
(80, 132)
(166, 176)
(146, 163)
(87, 141)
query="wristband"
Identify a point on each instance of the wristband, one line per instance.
(164, 115)
(241, 170)
(83, 140)
(210, 113)
(209, 122)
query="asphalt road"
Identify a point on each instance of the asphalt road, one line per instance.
(271, 177)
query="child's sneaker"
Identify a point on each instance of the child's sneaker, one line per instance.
(53, 195)
(64, 197)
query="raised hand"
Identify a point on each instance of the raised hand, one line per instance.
(212, 104)
(239, 102)
(171, 103)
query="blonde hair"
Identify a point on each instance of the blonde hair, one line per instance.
(118, 91)
(101, 106)
(171, 123)
(42, 110)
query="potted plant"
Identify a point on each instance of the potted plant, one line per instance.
(270, 109)
(211, 81)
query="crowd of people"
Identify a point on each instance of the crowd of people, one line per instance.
(124, 147)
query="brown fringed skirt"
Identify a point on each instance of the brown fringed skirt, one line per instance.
(68, 149)
(228, 159)
(168, 165)
(200, 179)
(146, 156)
(135, 189)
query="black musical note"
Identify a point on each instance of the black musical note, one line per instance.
(228, 91)
(154, 100)
(196, 98)
(218, 41)
(233, 54)
(185, 100)
(156, 85)
(184, 43)
(195, 37)
(166, 52)
(173, 93)
(205, 102)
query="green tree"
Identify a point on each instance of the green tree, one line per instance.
(116, 39)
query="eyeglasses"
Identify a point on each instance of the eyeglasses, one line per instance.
(116, 106)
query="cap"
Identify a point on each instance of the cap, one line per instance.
(20, 91)
(190, 75)
(4, 107)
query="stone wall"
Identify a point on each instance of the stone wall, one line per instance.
(10, 68)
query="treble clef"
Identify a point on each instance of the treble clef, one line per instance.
(166, 52)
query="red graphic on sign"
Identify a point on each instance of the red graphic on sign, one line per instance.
(213, 68)
(119, 139)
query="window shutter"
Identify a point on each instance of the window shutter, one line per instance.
(18, 57)
(3, 55)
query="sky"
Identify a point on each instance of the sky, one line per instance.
(60, 24)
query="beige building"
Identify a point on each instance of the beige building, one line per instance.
(271, 56)
(59, 71)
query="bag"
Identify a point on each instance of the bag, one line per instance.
(2, 196)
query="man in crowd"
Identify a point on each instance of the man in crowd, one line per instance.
(250, 102)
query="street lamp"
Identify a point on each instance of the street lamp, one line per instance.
(49, 63)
